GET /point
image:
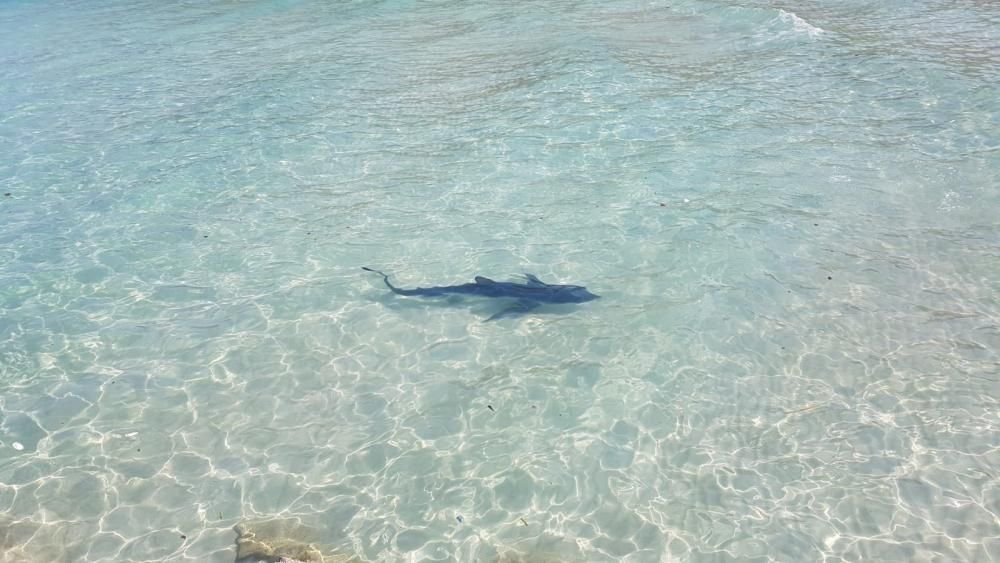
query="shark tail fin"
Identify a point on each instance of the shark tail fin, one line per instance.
(385, 276)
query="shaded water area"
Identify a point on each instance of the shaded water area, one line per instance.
(790, 213)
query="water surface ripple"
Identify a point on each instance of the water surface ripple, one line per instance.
(789, 210)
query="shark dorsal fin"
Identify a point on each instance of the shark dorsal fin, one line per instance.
(484, 281)
(534, 281)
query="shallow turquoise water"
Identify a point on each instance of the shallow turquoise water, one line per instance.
(791, 214)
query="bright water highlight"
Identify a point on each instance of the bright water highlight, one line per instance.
(790, 213)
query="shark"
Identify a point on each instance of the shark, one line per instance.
(522, 297)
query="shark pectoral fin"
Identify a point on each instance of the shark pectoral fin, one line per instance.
(517, 308)
(484, 281)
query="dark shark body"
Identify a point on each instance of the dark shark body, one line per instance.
(526, 296)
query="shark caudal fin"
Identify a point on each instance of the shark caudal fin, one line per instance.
(385, 277)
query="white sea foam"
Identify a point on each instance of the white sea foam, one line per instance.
(800, 25)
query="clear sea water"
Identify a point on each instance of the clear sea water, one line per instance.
(791, 210)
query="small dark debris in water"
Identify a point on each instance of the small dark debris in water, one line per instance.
(829, 277)
(491, 408)
(523, 521)
(183, 537)
(308, 233)
(663, 204)
(815, 224)
(7, 194)
(534, 406)
(460, 519)
(204, 236)
(138, 449)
